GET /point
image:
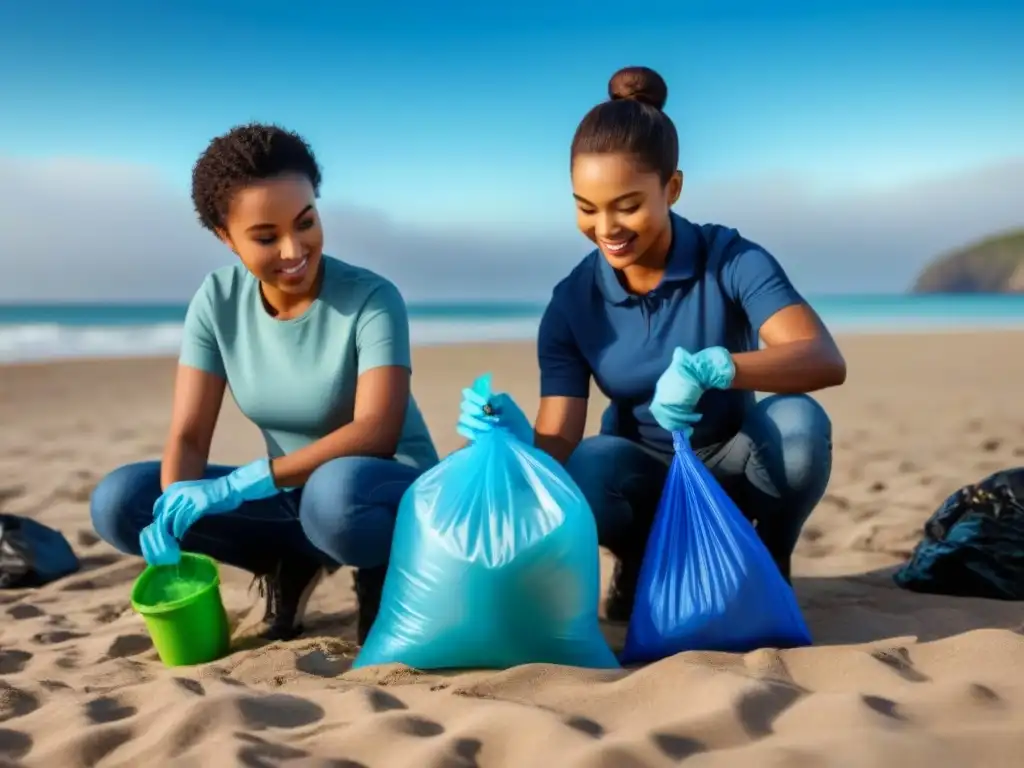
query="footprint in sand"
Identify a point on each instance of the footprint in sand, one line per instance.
(414, 725)
(192, 686)
(128, 645)
(78, 487)
(883, 706)
(70, 660)
(811, 533)
(14, 745)
(11, 492)
(279, 710)
(258, 752)
(24, 611)
(620, 757)
(465, 753)
(985, 695)
(108, 709)
(898, 660)
(322, 664)
(13, 661)
(585, 725)
(97, 743)
(57, 636)
(94, 562)
(15, 702)
(758, 709)
(109, 612)
(59, 622)
(677, 748)
(86, 538)
(382, 701)
(117, 573)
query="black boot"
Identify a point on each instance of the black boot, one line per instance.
(622, 591)
(369, 584)
(287, 591)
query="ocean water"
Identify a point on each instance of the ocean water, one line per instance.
(35, 332)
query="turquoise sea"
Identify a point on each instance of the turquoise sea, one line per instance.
(46, 331)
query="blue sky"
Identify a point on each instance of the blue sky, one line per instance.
(461, 118)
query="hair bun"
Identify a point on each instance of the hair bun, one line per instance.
(639, 84)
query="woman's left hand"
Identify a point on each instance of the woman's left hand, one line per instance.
(158, 546)
(174, 513)
(684, 382)
(183, 503)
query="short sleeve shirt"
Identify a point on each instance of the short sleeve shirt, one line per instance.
(717, 290)
(296, 379)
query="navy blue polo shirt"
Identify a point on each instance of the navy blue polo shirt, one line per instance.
(717, 291)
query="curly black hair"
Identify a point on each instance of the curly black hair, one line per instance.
(245, 154)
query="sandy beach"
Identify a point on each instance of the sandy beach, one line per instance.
(895, 678)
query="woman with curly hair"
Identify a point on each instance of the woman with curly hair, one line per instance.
(317, 355)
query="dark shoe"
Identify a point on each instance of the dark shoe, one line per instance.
(287, 591)
(622, 591)
(784, 564)
(369, 584)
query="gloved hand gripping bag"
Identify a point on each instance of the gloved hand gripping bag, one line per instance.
(707, 581)
(494, 563)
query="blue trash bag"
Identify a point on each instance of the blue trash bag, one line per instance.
(707, 581)
(494, 563)
(32, 554)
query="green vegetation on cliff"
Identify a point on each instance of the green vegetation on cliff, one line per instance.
(994, 265)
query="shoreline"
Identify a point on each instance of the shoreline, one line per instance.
(841, 335)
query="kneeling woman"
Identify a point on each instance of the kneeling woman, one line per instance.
(316, 353)
(665, 316)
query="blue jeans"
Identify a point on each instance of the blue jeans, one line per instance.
(775, 469)
(344, 515)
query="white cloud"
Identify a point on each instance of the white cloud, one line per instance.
(867, 240)
(77, 230)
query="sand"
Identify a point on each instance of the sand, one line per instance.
(896, 679)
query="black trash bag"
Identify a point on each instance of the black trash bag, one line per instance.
(32, 554)
(973, 544)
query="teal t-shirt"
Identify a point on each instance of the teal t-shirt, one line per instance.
(296, 379)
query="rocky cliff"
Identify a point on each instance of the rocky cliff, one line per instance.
(993, 265)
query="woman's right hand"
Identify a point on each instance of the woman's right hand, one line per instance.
(474, 420)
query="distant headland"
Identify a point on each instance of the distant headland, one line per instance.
(992, 265)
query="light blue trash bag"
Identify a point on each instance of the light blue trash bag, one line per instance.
(707, 583)
(494, 563)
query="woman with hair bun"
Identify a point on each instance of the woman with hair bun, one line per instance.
(665, 316)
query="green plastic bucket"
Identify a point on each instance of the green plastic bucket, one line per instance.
(182, 608)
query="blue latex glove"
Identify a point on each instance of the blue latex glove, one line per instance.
(185, 502)
(685, 381)
(158, 546)
(505, 414)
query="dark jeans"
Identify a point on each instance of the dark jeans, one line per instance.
(344, 515)
(775, 470)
